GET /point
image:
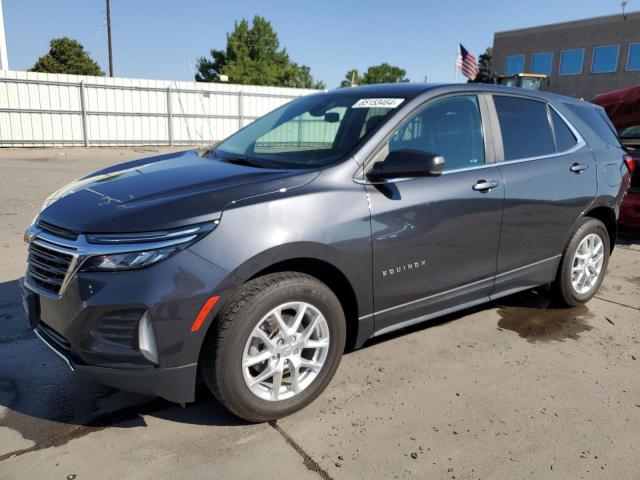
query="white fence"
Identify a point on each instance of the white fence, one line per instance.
(41, 109)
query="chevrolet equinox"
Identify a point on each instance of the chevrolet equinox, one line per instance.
(335, 218)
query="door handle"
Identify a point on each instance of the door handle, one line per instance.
(485, 185)
(578, 167)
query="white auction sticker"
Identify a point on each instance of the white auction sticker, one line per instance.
(378, 103)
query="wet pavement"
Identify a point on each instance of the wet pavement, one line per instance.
(514, 389)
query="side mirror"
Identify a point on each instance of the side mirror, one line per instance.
(407, 163)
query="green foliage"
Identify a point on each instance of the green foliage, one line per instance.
(253, 57)
(383, 73)
(67, 55)
(484, 64)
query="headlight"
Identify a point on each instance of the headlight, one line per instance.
(128, 261)
(138, 250)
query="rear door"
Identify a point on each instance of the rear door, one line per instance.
(550, 178)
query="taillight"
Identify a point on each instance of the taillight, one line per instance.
(631, 164)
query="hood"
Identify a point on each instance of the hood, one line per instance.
(161, 192)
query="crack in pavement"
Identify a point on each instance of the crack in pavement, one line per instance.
(616, 303)
(309, 462)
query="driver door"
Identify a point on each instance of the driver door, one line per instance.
(435, 239)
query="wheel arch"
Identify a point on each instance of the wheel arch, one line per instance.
(350, 283)
(607, 216)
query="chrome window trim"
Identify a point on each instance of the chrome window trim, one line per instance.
(550, 65)
(629, 57)
(579, 140)
(516, 55)
(581, 62)
(593, 58)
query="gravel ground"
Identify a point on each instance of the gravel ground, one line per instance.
(513, 389)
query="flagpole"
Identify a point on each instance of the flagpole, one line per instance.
(455, 65)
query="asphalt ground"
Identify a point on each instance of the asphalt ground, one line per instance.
(513, 389)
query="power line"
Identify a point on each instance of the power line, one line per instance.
(109, 38)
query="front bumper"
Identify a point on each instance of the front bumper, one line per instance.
(176, 384)
(93, 326)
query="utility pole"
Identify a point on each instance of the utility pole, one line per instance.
(4, 61)
(109, 37)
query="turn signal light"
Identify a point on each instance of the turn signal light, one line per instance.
(631, 164)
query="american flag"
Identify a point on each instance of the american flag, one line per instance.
(467, 63)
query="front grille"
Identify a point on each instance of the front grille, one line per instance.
(47, 268)
(57, 231)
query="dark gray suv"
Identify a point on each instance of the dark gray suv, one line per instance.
(337, 217)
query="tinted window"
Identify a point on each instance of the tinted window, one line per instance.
(633, 63)
(596, 120)
(564, 137)
(514, 64)
(541, 63)
(571, 61)
(450, 127)
(525, 127)
(605, 59)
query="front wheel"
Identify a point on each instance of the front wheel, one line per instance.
(583, 264)
(277, 344)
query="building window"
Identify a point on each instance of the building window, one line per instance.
(514, 64)
(571, 61)
(541, 63)
(605, 59)
(633, 62)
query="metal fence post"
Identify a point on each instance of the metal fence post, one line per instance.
(83, 109)
(169, 116)
(240, 109)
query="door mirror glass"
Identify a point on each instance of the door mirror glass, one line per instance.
(407, 163)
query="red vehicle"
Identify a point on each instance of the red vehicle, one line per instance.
(623, 108)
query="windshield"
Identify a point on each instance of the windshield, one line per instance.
(308, 132)
(630, 133)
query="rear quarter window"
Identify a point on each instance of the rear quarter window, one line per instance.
(597, 121)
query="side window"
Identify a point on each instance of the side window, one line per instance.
(451, 127)
(598, 122)
(525, 127)
(565, 139)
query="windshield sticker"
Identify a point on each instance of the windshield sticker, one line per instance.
(378, 103)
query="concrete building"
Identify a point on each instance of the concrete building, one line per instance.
(582, 58)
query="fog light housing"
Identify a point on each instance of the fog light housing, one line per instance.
(147, 339)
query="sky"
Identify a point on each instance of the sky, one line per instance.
(161, 39)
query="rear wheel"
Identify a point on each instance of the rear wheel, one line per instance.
(583, 264)
(277, 344)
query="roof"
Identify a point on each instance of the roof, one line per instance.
(412, 90)
(583, 23)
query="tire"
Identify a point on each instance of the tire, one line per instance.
(236, 342)
(564, 289)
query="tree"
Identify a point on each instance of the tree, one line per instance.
(253, 57)
(67, 55)
(484, 64)
(383, 73)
